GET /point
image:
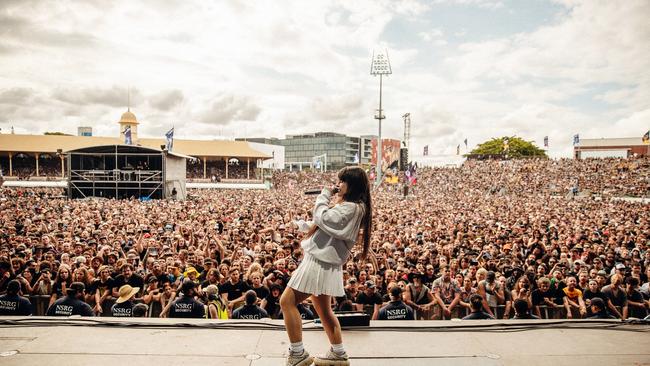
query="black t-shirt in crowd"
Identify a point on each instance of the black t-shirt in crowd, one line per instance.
(234, 290)
(162, 279)
(186, 307)
(15, 305)
(57, 289)
(102, 286)
(373, 299)
(5, 282)
(262, 292)
(588, 295)
(396, 310)
(249, 312)
(635, 311)
(67, 306)
(134, 281)
(618, 299)
(556, 296)
(121, 310)
(272, 306)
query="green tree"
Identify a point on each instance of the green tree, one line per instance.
(517, 148)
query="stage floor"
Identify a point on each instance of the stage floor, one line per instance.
(159, 342)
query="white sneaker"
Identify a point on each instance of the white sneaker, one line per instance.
(302, 359)
(332, 359)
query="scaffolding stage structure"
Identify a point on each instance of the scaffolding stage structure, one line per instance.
(124, 172)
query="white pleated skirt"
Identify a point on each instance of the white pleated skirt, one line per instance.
(317, 278)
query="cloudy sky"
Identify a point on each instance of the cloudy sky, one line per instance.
(471, 69)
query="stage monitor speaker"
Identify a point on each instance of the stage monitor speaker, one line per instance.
(351, 319)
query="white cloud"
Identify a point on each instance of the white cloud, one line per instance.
(488, 4)
(433, 36)
(238, 68)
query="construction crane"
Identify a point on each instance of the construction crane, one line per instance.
(407, 130)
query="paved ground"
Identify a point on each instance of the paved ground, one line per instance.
(48, 341)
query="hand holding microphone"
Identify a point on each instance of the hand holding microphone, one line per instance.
(312, 191)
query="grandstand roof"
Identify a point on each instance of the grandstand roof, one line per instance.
(607, 142)
(198, 148)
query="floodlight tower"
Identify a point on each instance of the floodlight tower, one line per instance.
(380, 66)
(407, 130)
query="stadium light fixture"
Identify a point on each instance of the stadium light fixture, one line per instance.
(380, 66)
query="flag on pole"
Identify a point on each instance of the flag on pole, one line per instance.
(317, 163)
(356, 157)
(426, 150)
(545, 141)
(506, 144)
(646, 138)
(576, 139)
(465, 143)
(458, 150)
(412, 174)
(127, 136)
(170, 139)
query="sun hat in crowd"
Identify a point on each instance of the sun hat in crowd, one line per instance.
(189, 271)
(126, 292)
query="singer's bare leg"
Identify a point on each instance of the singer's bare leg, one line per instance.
(323, 306)
(292, 321)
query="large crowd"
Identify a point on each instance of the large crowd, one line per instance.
(538, 238)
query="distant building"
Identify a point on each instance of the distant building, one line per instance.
(365, 148)
(320, 150)
(610, 148)
(85, 131)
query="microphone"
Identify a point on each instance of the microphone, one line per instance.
(312, 191)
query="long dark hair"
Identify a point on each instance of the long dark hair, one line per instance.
(359, 192)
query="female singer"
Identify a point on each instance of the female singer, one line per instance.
(327, 246)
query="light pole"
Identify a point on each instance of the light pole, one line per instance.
(380, 66)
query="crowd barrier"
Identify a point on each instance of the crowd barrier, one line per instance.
(40, 304)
